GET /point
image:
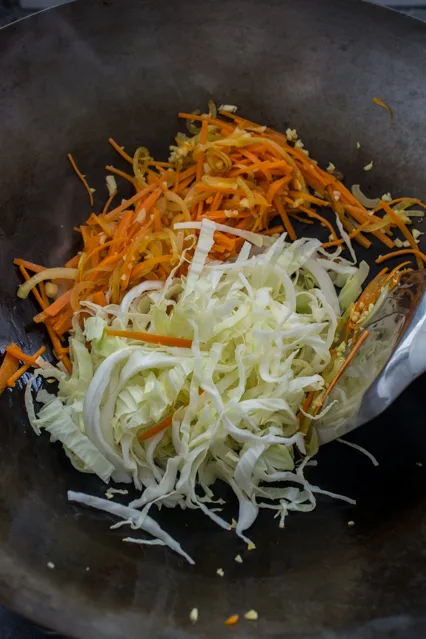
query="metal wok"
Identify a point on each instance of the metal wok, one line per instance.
(70, 78)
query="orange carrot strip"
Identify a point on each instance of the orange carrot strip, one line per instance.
(19, 354)
(276, 187)
(95, 251)
(13, 378)
(73, 262)
(108, 203)
(306, 404)
(232, 620)
(157, 220)
(322, 219)
(43, 293)
(99, 298)
(82, 178)
(385, 106)
(156, 429)
(124, 205)
(273, 230)
(36, 268)
(341, 370)
(147, 265)
(54, 308)
(404, 230)
(286, 220)
(63, 322)
(351, 236)
(308, 198)
(388, 256)
(120, 151)
(165, 340)
(122, 174)
(395, 270)
(9, 366)
(150, 200)
(66, 362)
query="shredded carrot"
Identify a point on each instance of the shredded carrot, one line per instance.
(389, 256)
(105, 210)
(165, 340)
(14, 378)
(151, 432)
(385, 106)
(82, 178)
(9, 366)
(54, 308)
(121, 151)
(341, 370)
(286, 221)
(16, 352)
(99, 298)
(122, 174)
(406, 233)
(268, 177)
(36, 268)
(395, 271)
(232, 620)
(66, 362)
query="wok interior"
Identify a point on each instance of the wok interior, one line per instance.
(112, 76)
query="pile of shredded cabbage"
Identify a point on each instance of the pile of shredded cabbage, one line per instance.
(262, 328)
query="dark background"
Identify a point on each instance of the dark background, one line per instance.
(11, 625)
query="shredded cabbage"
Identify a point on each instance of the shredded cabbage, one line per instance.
(261, 328)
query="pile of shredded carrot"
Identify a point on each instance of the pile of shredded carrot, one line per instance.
(229, 170)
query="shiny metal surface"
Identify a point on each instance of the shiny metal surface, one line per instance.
(69, 79)
(400, 325)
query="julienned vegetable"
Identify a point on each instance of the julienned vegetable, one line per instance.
(229, 170)
(232, 394)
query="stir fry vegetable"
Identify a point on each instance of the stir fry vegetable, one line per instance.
(230, 170)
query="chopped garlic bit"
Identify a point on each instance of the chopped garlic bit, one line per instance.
(193, 615)
(244, 203)
(239, 559)
(141, 216)
(416, 234)
(251, 546)
(330, 167)
(337, 195)
(251, 615)
(298, 203)
(358, 146)
(299, 144)
(233, 523)
(368, 166)
(228, 108)
(51, 289)
(291, 135)
(50, 565)
(386, 197)
(401, 244)
(231, 213)
(220, 572)
(351, 523)
(111, 184)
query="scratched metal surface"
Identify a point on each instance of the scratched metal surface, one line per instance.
(124, 68)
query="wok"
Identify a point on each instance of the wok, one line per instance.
(74, 76)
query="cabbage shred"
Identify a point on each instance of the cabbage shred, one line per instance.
(262, 331)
